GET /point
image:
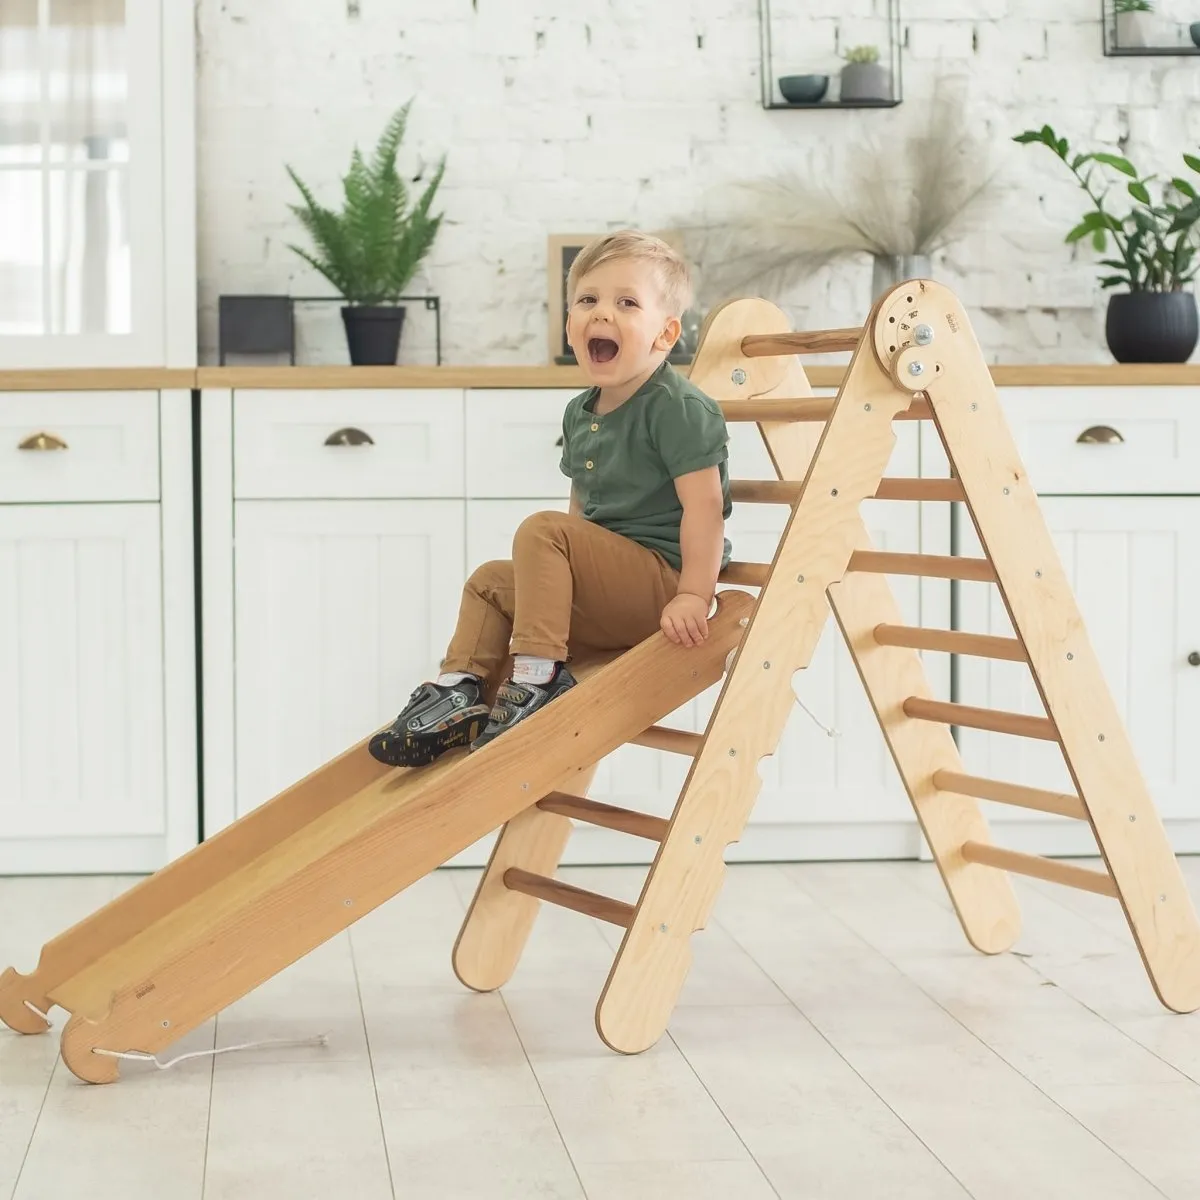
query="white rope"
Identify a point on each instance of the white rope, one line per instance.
(33, 1008)
(139, 1056)
(833, 733)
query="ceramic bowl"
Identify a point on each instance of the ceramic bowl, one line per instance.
(804, 89)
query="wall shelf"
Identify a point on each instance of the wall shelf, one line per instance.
(785, 49)
(1122, 34)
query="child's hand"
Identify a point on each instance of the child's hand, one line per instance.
(685, 620)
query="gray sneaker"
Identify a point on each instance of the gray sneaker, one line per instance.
(436, 718)
(516, 701)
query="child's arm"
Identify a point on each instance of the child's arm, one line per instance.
(702, 544)
(576, 508)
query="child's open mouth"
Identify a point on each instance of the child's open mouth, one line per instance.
(602, 350)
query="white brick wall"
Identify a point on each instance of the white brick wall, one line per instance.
(558, 119)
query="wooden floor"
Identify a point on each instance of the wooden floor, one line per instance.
(837, 1039)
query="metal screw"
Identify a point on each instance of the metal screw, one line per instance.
(922, 335)
(697, 839)
(866, 408)
(1132, 817)
(1037, 574)
(799, 578)
(1070, 656)
(732, 753)
(916, 368)
(662, 929)
(166, 1024)
(766, 666)
(348, 903)
(524, 787)
(1006, 491)
(738, 376)
(1099, 737)
(1162, 899)
(974, 406)
(833, 491)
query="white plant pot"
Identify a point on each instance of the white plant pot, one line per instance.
(1133, 30)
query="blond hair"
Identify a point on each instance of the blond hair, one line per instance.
(673, 274)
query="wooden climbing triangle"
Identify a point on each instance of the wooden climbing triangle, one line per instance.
(191, 939)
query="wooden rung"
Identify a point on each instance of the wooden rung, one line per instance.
(674, 741)
(816, 341)
(608, 816)
(932, 566)
(977, 644)
(1040, 868)
(990, 719)
(591, 904)
(747, 574)
(919, 489)
(786, 491)
(1062, 804)
(765, 411)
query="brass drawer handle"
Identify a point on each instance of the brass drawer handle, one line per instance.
(1103, 435)
(42, 441)
(349, 437)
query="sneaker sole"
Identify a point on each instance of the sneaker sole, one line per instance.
(419, 750)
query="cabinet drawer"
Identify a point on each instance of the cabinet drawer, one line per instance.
(59, 446)
(512, 443)
(1107, 440)
(359, 444)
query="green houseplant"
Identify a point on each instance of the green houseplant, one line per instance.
(862, 76)
(1152, 319)
(371, 248)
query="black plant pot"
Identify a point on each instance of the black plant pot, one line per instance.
(1152, 327)
(373, 333)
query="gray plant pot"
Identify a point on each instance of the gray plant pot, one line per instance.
(866, 81)
(1133, 30)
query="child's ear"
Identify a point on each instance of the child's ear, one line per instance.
(670, 335)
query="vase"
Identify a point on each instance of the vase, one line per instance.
(373, 333)
(893, 269)
(1133, 30)
(1152, 327)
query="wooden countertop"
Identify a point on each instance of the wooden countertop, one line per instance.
(150, 378)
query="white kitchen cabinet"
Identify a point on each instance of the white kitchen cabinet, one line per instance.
(1134, 566)
(82, 768)
(342, 608)
(98, 754)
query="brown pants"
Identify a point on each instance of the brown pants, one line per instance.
(570, 586)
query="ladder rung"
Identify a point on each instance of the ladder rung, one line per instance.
(932, 566)
(786, 491)
(1062, 804)
(608, 816)
(990, 719)
(977, 644)
(816, 341)
(919, 489)
(591, 904)
(746, 573)
(811, 409)
(1040, 868)
(674, 741)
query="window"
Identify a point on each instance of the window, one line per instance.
(81, 219)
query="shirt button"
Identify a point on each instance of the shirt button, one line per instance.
(594, 428)
(589, 464)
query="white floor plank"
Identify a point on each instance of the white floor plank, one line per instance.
(996, 1132)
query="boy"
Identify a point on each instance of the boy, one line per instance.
(643, 542)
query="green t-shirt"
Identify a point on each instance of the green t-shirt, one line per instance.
(622, 464)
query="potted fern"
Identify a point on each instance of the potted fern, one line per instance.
(371, 248)
(1152, 318)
